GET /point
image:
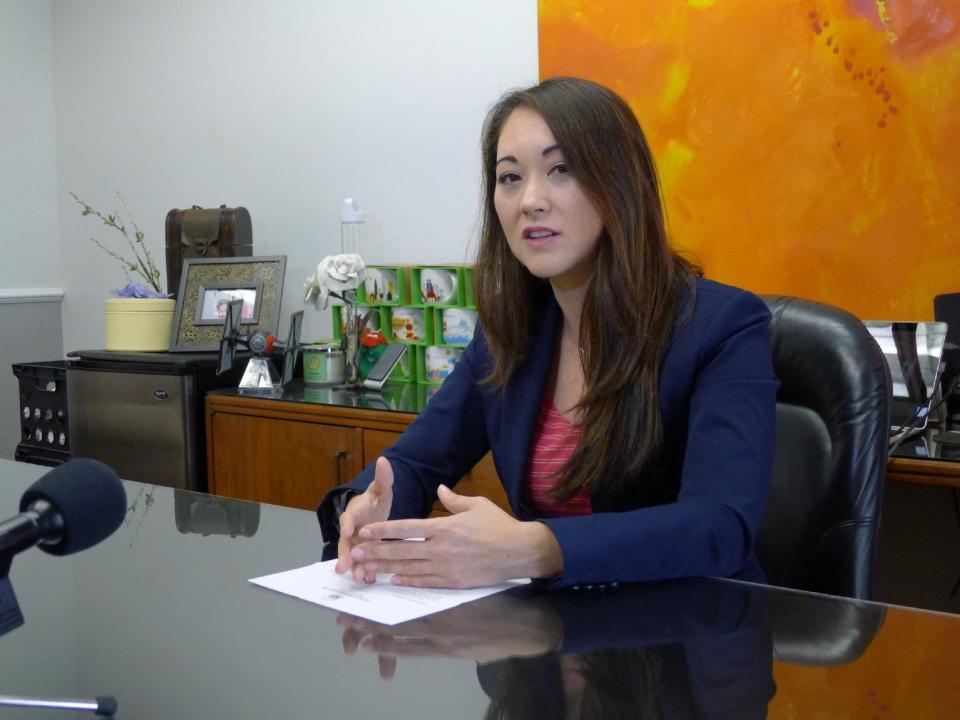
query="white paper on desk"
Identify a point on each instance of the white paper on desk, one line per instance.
(380, 601)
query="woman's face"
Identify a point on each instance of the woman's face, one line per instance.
(551, 226)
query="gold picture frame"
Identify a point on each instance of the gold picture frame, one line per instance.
(207, 282)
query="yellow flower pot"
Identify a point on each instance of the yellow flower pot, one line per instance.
(138, 324)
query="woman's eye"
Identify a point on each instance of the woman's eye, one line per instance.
(560, 169)
(508, 178)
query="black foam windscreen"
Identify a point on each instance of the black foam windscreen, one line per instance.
(89, 497)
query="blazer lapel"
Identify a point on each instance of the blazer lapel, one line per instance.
(521, 403)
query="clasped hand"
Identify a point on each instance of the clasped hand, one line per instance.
(477, 545)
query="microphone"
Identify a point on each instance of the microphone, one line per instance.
(71, 508)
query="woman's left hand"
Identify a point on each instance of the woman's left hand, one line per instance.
(478, 545)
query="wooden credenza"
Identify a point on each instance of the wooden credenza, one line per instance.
(291, 453)
(288, 452)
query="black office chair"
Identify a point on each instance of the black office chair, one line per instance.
(820, 529)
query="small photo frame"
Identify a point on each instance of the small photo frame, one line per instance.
(207, 285)
(212, 302)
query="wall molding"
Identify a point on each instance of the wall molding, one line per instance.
(30, 295)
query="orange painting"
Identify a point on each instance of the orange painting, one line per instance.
(804, 148)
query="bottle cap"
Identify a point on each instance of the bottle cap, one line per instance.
(351, 212)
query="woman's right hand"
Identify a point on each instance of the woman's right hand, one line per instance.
(369, 507)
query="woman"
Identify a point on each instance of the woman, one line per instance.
(629, 404)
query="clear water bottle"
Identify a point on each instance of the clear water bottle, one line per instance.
(351, 227)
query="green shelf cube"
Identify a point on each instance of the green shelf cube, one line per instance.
(423, 372)
(424, 393)
(337, 313)
(396, 323)
(378, 319)
(469, 300)
(439, 337)
(397, 292)
(406, 370)
(441, 289)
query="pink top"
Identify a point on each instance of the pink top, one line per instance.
(554, 440)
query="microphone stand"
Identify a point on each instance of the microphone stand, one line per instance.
(10, 615)
(10, 618)
(103, 705)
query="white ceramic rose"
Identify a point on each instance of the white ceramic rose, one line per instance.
(335, 275)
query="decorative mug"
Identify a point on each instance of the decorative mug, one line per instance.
(407, 324)
(438, 286)
(439, 362)
(381, 285)
(323, 365)
(459, 325)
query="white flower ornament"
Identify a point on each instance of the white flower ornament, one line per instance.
(335, 274)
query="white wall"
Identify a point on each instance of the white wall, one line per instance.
(285, 108)
(29, 247)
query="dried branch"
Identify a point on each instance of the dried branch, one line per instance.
(143, 265)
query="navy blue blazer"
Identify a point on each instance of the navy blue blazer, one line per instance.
(693, 509)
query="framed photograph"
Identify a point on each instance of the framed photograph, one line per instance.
(207, 285)
(211, 307)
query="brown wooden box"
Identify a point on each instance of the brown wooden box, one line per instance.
(205, 233)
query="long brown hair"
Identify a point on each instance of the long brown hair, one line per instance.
(633, 294)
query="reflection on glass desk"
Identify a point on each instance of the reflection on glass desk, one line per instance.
(162, 617)
(394, 396)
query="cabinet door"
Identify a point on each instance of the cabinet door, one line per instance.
(375, 442)
(284, 462)
(482, 480)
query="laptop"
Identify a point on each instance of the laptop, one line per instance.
(914, 354)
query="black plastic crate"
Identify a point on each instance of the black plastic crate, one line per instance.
(44, 437)
(40, 456)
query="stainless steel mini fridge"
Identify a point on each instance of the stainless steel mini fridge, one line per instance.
(142, 413)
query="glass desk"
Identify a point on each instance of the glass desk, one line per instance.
(162, 617)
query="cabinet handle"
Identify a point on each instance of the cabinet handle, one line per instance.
(338, 457)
